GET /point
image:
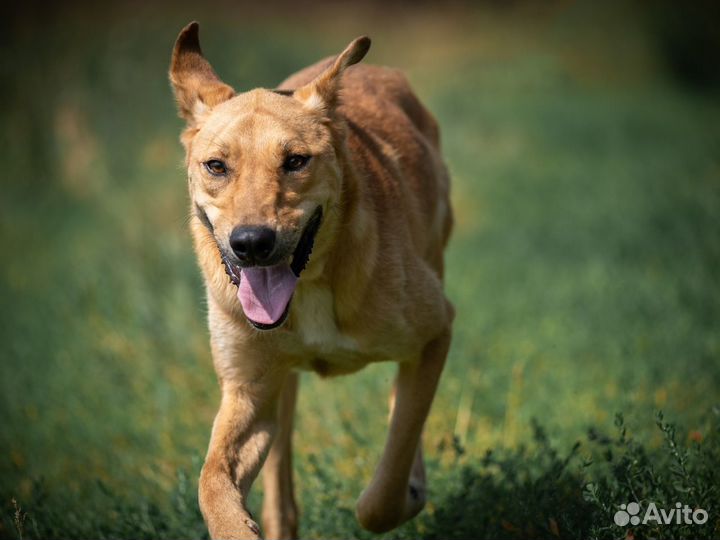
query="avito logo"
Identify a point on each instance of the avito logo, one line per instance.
(681, 514)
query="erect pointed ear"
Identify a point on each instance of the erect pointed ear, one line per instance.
(197, 88)
(322, 92)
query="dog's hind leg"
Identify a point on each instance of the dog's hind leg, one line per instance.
(397, 490)
(279, 513)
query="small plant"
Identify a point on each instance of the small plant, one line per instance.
(18, 519)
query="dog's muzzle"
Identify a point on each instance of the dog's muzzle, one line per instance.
(265, 292)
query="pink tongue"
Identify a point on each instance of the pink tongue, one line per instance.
(265, 292)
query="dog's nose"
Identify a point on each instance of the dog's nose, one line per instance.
(252, 245)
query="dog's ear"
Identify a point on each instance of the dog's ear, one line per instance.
(197, 88)
(322, 92)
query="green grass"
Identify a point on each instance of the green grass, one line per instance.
(584, 269)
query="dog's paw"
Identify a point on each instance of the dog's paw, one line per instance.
(415, 499)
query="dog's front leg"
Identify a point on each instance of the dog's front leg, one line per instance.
(397, 490)
(241, 437)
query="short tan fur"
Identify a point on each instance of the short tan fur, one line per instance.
(372, 289)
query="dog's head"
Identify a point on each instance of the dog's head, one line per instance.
(262, 169)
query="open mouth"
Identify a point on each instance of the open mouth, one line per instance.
(265, 292)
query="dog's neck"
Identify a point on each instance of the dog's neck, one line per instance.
(352, 257)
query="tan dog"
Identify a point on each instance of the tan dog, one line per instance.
(320, 215)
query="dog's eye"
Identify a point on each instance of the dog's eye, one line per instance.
(216, 167)
(295, 162)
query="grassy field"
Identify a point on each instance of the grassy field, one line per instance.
(585, 268)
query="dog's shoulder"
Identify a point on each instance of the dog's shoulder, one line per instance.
(359, 75)
(305, 75)
(373, 90)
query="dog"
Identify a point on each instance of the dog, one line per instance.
(319, 213)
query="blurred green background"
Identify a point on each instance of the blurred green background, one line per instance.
(583, 141)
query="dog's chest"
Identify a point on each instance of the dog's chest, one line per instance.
(315, 323)
(318, 344)
(317, 341)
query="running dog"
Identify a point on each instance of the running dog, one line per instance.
(319, 214)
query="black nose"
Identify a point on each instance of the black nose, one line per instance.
(252, 245)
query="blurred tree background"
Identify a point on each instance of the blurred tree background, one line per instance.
(583, 140)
